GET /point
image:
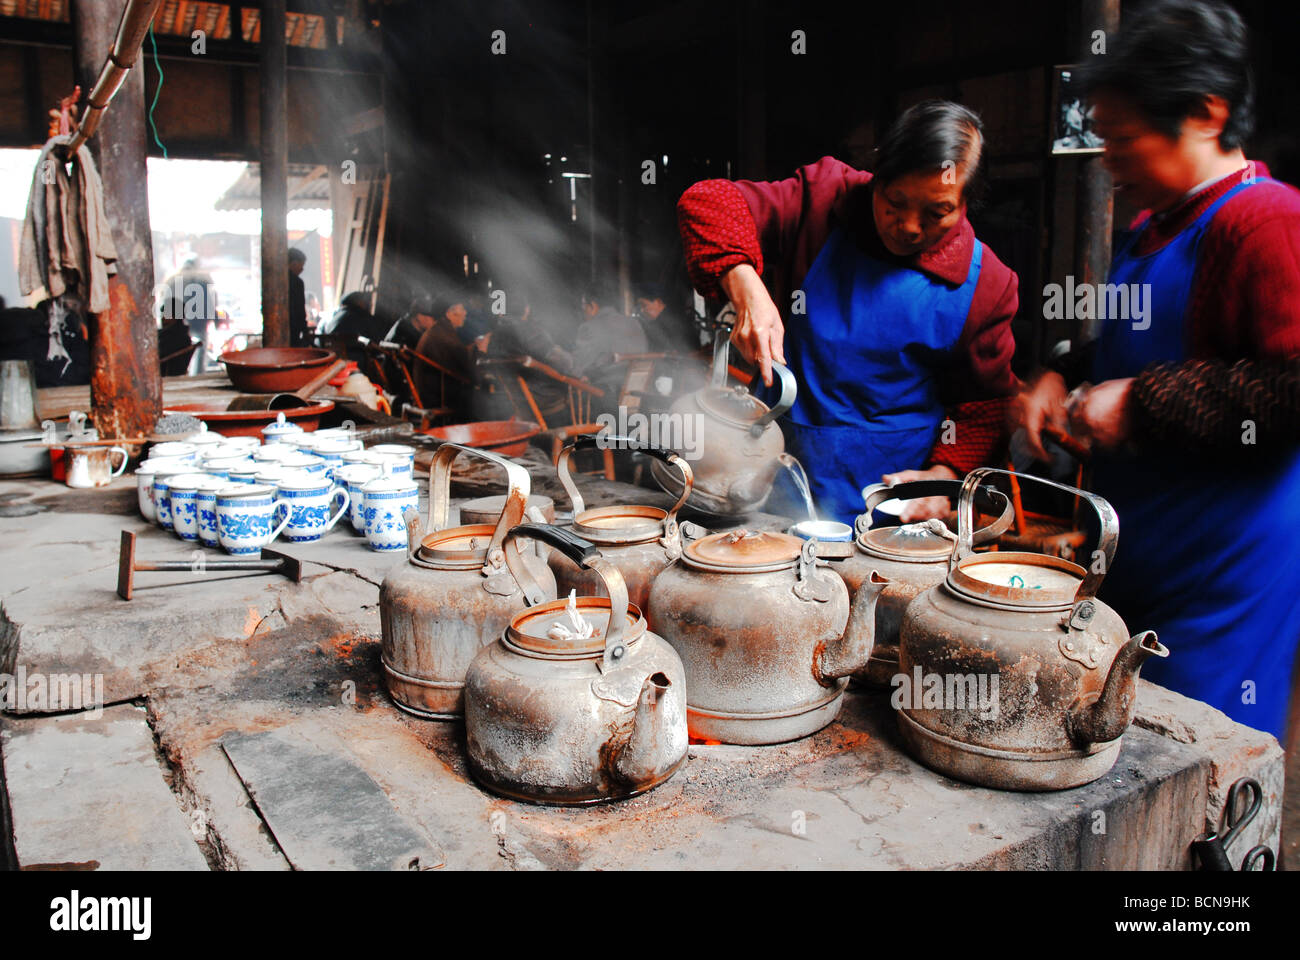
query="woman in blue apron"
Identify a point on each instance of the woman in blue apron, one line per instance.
(1209, 550)
(1209, 511)
(899, 319)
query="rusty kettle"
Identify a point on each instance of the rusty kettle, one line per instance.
(639, 540)
(1012, 673)
(739, 438)
(758, 621)
(576, 701)
(453, 594)
(913, 556)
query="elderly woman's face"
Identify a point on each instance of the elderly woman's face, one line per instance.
(914, 211)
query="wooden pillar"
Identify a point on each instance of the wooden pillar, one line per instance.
(125, 387)
(274, 147)
(1095, 212)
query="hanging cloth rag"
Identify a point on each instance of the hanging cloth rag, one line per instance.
(67, 246)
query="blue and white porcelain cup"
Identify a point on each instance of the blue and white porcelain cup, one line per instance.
(310, 497)
(162, 497)
(354, 476)
(246, 518)
(385, 500)
(363, 456)
(144, 475)
(205, 505)
(183, 489)
(273, 452)
(174, 448)
(246, 444)
(331, 451)
(301, 460)
(398, 465)
(245, 474)
(395, 450)
(274, 433)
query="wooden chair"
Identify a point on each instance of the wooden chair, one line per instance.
(407, 360)
(508, 373)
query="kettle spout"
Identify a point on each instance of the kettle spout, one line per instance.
(648, 749)
(1107, 717)
(850, 653)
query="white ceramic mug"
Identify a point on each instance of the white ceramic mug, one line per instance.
(173, 448)
(246, 518)
(144, 475)
(309, 497)
(183, 490)
(93, 466)
(354, 476)
(247, 444)
(385, 501)
(205, 505)
(273, 452)
(274, 433)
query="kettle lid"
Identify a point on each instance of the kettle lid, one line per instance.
(915, 542)
(744, 551)
(546, 630)
(732, 404)
(1018, 580)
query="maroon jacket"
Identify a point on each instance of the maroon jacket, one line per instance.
(780, 227)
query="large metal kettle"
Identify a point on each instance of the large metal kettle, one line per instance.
(639, 540)
(913, 556)
(759, 621)
(558, 715)
(453, 594)
(1012, 673)
(740, 440)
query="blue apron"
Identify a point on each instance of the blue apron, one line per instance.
(864, 358)
(1208, 552)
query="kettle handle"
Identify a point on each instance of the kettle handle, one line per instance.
(602, 441)
(440, 491)
(585, 554)
(789, 391)
(1107, 537)
(989, 499)
(789, 387)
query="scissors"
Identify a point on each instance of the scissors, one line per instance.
(1213, 851)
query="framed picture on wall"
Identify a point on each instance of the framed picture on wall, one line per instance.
(1071, 119)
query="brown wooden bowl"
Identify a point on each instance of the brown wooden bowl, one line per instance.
(275, 369)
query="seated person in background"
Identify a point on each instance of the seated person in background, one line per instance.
(351, 320)
(605, 332)
(526, 335)
(665, 329)
(442, 344)
(411, 325)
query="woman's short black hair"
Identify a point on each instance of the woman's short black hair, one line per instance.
(926, 138)
(1172, 54)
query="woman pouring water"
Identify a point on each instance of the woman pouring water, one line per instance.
(873, 289)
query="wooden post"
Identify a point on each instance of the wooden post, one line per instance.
(125, 386)
(274, 149)
(1095, 210)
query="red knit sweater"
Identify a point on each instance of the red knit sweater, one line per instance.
(1245, 302)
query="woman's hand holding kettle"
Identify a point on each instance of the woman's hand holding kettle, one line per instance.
(759, 334)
